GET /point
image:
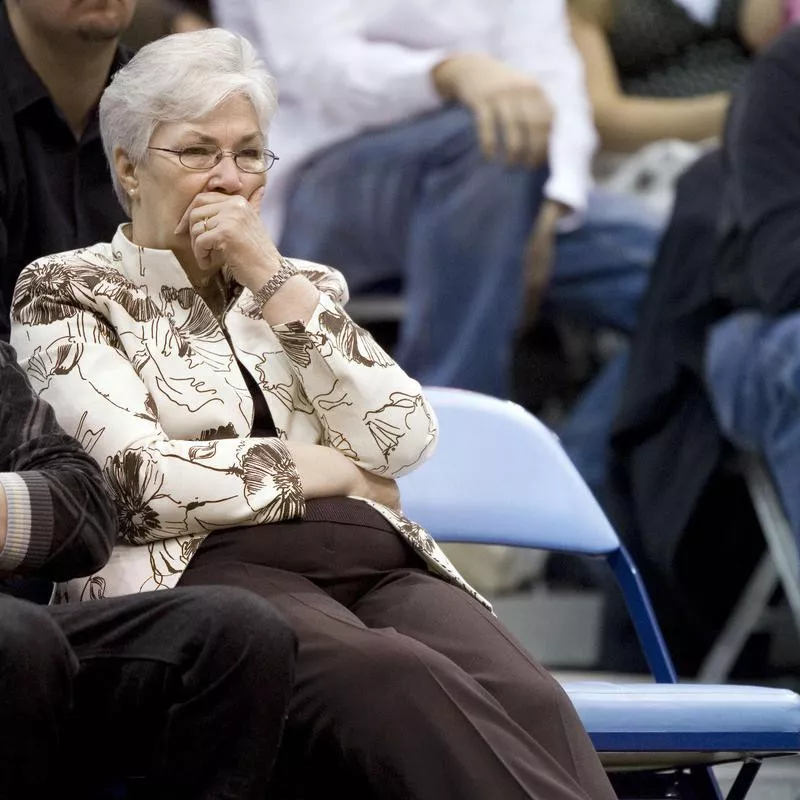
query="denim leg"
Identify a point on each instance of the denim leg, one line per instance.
(752, 367)
(418, 203)
(602, 268)
(586, 432)
(600, 275)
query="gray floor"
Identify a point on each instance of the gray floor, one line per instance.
(562, 629)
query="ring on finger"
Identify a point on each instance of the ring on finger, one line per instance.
(205, 224)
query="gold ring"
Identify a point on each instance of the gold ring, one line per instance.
(205, 224)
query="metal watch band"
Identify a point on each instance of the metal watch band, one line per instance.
(275, 282)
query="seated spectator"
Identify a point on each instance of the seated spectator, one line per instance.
(127, 686)
(413, 140)
(461, 100)
(55, 190)
(251, 434)
(712, 363)
(659, 74)
(751, 353)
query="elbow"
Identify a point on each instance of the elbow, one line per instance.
(416, 450)
(613, 135)
(89, 552)
(93, 557)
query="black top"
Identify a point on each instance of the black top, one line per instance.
(55, 192)
(758, 264)
(733, 243)
(661, 51)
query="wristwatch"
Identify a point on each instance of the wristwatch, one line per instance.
(275, 282)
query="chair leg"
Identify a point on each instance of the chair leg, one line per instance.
(744, 780)
(777, 531)
(741, 623)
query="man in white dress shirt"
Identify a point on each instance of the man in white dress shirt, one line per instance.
(446, 145)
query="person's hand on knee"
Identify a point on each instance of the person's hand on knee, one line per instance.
(512, 114)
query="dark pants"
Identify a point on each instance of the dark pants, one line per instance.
(405, 686)
(189, 687)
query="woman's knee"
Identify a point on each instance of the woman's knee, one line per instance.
(384, 677)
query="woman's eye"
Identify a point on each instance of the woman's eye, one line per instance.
(198, 150)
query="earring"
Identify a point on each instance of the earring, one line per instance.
(131, 192)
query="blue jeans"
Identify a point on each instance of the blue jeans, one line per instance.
(752, 368)
(600, 275)
(417, 204)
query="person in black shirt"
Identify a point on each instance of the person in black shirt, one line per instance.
(752, 357)
(715, 367)
(55, 187)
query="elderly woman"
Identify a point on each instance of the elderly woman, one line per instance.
(251, 433)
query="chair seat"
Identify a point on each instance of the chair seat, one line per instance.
(687, 717)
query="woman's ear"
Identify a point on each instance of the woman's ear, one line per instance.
(126, 171)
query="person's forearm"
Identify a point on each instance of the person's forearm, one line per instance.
(295, 301)
(323, 471)
(760, 21)
(627, 123)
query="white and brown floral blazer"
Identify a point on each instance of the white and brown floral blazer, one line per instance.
(141, 372)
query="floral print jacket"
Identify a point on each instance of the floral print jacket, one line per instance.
(142, 373)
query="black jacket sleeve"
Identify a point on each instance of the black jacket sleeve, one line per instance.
(762, 146)
(62, 521)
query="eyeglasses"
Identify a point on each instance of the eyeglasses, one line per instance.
(207, 156)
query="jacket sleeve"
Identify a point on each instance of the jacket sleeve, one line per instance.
(369, 408)
(61, 519)
(763, 151)
(163, 487)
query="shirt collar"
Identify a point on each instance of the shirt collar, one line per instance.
(146, 264)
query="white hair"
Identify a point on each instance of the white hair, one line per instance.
(179, 78)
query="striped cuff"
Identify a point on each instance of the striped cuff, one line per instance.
(26, 494)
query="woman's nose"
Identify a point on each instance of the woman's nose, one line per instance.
(225, 176)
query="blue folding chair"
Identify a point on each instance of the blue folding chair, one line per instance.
(499, 476)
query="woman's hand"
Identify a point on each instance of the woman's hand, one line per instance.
(503, 100)
(381, 490)
(325, 472)
(226, 231)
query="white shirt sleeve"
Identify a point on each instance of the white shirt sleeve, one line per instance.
(536, 38)
(321, 52)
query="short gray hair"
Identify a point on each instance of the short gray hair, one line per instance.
(179, 78)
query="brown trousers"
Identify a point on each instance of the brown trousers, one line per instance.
(405, 686)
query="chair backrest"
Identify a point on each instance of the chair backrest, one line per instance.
(499, 476)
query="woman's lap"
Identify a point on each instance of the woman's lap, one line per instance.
(391, 629)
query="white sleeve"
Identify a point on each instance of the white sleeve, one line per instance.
(536, 38)
(321, 52)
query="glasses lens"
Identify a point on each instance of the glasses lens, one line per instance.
(199, 157)
(252, 160)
